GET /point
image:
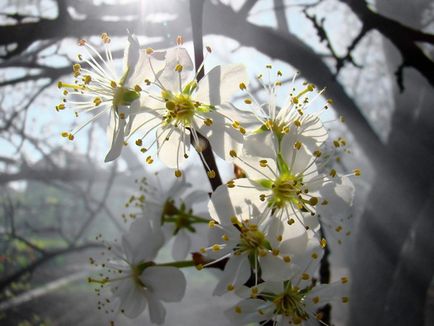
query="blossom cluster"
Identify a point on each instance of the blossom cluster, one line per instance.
(266, 227)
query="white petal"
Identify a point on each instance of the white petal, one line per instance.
(261, 144)
(131, 57)
(181, 245)
(246, 311)
(221, 83)
(173, 144)
(274, 268)
(165, 282)
(132, 299)
(157, 312)
(116, 134)
(236, 273)
(169, 77)
(142, 241)
(222, 136)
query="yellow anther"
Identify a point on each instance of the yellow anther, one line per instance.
(143, 150)
(279, 238)
(113, 84)
(315, 299)
(225, 237)
(297, 123)
(230, 287)
(179, 67)
(305, 276)
(97, 101)
(268, 66)
(248, 101)
(76, 67)
(342, 119)
(291, 221)
(208, 48)
(329, 101)
(87, 79)
(314, 255)
(243, 86)
(262, 197)
(234, 220)
(275, 252)
(202, 250)
(336, 143)
(357, 172)
(286, 259)
(147, 82)
(332, 173)
(323, 243)
(231, 184)
(121, 115)
(297, 145)
(59, 84)
(338, 228)
(254, 292)
(310, 87)
(149, 51)
(313, 201)
(345, 299)
(179, 40)
(178, 173)
(279, 73)
(211, 174)
(139, 142)
(325, 202)
(236, 124)
(242, 131)
(294, 100)
(149, 160)
(60, 107)
(208, 122)
(211, 224)
(238, 309)
(81, 42)
(65, 134)
(71, 137)
(216, 247)
(263, 163)
(233, 153)
(199, 267)
(137, 88)
(344, 280)
(317, 153)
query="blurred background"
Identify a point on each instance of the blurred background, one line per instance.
(374, 57)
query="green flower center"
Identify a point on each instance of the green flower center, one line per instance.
(124, 96)
(291, 304)
(252, 240)
(286, 189)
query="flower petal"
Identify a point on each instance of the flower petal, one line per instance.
(181, 245)
(236, 273)
(157, 312)
(221, 83)
(165, 282)
(173, 145)
(116, 133)
(169, 77)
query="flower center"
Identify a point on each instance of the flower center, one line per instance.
(251, 239)
(286, 189)
(290, 303)
(124, 96)
(180, 108)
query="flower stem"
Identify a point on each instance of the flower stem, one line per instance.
(179, 264)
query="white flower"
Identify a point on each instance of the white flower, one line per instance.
(251, 243)
(289, 186)
(293, 301)
(99, 88)
(135, 280)
(174, 204)
(267, 123)
(178, 105)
